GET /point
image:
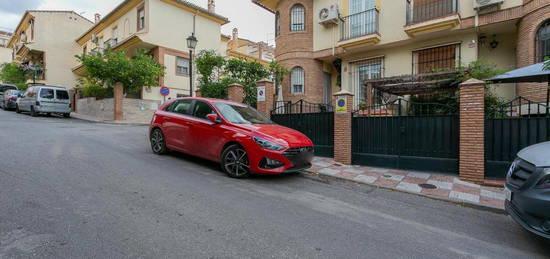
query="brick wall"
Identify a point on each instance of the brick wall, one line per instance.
(536, 12)
(235, 92)
(266, 106)
(342, 130)
(472, 131)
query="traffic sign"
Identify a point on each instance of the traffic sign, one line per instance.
(164, 91)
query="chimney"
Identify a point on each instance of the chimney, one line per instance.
(235, 34)
(260, 50)
(234, 43)
(97, 17)
(211, 6)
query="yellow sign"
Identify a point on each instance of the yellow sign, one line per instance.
(341, 105)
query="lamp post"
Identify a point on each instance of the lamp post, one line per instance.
(191, 44)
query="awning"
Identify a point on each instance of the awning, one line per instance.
(529, 74)
(415, 84)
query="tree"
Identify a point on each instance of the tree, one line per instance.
(116, 67)
(247, 74)
(278, 72)
(12, 73)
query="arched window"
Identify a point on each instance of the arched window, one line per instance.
(297, 18)
(543, 41)
(277, 24)
(297, 80)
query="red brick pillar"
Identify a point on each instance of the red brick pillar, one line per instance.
(235, 92)
(75, 101)
(198, 93)
(472, 131)
(118, 98)
(343, 110)
(368, 95)
(266, 105)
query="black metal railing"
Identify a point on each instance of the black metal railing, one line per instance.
(402, 107)
(518, 107)
(437, 59)
(423, 10)
(299, 107)
(359, 24)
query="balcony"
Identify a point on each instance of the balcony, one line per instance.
(360, 29)
(424, 16)
(111, 43)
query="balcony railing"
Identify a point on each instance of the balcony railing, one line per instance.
(359, 24)
(423, 10)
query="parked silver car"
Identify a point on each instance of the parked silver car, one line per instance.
(45, 99)
(528, 189)
(9, 98)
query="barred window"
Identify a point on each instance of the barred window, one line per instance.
(297, 80)
(437, 59)
(543, 41)
(297, 18)
(182, 66)
(277, 24)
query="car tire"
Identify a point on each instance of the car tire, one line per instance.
(235, 162)
(17, 109)
(33, 112)
(66, 115)
(158, 142)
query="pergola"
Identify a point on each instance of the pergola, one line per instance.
(415, 84)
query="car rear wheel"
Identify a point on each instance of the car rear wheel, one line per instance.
(33, 112)
(235, 162)
(158, 142)
(66, 115)
(17, 109)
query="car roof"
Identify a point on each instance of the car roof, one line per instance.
(210, 100)
(50, 86)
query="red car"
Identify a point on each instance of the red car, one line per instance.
(237, 136)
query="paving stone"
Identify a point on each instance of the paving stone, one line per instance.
(346, 175)
(436, 192)
(410, 187)
(473, 185)
(419, 175)
(464, 196)
(493, 195)
(353, 170)
(394, 177)
(414, 180)
(441, 185)
(366, 179)
(329, 171)
(466, 189)
(321, 164)
(491, 202)
(386, 182)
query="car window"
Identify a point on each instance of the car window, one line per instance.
(181, 107)
(62, 94)
(46, 93)
(202, 109)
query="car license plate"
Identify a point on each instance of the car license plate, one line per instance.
(508, 194)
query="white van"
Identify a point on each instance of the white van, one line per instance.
(45, 99)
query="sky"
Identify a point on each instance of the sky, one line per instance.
(253, 22)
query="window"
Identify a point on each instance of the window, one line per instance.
(241, 114)
(46, 93)
(84, 50)
(543, 41)
(297, 80)
(436, 59)
(114, 36)
(202, 109)
(126, 28)
(141, 18)
(181, 107)
(62, 95)
(297, 18)
(277, 24)
(31, 23)
(182, 66)
(361, 71)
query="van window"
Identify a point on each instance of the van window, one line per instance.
(62, 95)
(46, 93)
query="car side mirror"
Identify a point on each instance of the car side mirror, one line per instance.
(214, 118)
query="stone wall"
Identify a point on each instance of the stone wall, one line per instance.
(134, 110)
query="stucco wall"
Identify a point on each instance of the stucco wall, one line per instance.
(5, 55)
(504, 57)
(134, 110)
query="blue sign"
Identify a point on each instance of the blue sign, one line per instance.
(164, 91)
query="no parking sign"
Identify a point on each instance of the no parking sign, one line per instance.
(164, 91)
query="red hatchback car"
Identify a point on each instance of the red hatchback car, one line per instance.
(237, 136)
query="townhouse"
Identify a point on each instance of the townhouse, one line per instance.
(161, 27)
(377, 49)
(5, 53)
(44, 42)
(260, 52)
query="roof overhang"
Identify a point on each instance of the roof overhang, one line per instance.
(535, 73)
(23, 24)
(246, 57)
(270, 5)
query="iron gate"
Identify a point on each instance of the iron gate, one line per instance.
(314, 120)
(511, 127)
(407, 135)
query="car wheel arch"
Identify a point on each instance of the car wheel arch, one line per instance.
(228, 144)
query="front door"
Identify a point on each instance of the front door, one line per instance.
(207, 136)
(327, 91)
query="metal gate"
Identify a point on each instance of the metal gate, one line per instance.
(314, 120)
(407, 135)
(511, 127)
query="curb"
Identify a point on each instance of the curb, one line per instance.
(93, 120)
(328, 178)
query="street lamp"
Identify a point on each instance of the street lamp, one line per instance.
(191, 44)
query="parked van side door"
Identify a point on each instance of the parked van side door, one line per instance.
(62, 101)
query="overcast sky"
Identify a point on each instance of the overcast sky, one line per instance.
(253, 22)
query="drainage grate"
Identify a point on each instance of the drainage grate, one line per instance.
(427, 186)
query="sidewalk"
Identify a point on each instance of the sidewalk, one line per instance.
(95, 119)
(439, 186)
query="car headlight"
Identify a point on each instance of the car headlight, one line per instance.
(266, 144)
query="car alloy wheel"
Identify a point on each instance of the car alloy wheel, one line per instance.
(158, 143)
(235, 162)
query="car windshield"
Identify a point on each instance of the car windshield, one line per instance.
(240, 114)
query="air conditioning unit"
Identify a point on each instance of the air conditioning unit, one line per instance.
(329, 16)
(478, 4)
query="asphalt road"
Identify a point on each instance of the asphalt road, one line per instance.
(73, 189)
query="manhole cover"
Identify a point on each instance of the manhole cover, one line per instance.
(427, 186)
(387, 176)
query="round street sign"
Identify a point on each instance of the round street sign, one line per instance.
(164, 91)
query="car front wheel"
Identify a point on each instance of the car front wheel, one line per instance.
(235, 162)
(158, 142)
(33, 112)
